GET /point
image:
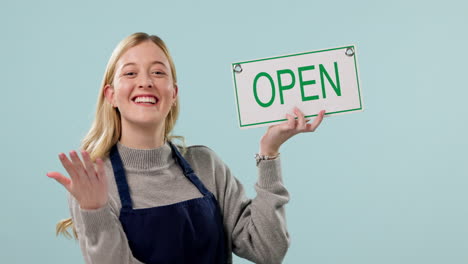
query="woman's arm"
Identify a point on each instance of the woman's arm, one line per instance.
(102, 239)
(101, 236)
(256, 229)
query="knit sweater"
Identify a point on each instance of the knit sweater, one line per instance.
(255, 228)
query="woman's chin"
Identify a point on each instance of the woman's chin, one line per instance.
(147, 122)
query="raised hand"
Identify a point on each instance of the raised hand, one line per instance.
(88, 183)
(276, 135)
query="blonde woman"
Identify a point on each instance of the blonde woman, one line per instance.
(135, 198)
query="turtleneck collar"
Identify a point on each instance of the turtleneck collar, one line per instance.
(145, 158)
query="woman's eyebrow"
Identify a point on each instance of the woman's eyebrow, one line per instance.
(152, 63)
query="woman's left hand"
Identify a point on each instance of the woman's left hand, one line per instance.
(276, 135)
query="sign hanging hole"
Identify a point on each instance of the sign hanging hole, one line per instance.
(237, 68)
(349, 52)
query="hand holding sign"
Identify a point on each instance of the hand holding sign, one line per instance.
(276, 135)
(266, 89)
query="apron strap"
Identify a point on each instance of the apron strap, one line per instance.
(120, 178)
(187, 170)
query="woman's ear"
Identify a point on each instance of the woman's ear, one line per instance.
(176, 91)
(109, 94)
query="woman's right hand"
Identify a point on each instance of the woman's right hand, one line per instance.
(87, 185)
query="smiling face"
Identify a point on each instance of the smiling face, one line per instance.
(143, 89)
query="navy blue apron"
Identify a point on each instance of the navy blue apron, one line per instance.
(186, 232)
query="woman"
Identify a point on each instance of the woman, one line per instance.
(134, 198)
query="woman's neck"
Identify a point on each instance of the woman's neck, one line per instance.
(142, 137)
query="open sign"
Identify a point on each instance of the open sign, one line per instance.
(267, 89)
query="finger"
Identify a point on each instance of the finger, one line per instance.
(317, 121)
(68, 165)
(312, 127)
(291, 121)
(101, 173)
(88, 165)
(78, 164)
(60, 179)
(300, 119)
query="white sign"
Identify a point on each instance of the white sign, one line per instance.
(267, 89)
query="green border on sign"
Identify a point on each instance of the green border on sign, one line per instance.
(292, 55)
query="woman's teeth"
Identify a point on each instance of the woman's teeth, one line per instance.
(150, 100)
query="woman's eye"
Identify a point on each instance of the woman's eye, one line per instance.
(130, 73)
(158, 72)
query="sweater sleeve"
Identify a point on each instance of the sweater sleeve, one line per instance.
(258, 226)
(255, 228)
(100, 234)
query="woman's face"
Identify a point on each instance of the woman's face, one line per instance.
(143, 89)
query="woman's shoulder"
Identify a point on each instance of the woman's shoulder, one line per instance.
(200, 153)
(197, 150)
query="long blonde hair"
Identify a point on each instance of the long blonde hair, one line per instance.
(106, 128)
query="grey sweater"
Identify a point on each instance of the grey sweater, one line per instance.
(255, 228)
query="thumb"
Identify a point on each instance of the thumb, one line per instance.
(60, 179)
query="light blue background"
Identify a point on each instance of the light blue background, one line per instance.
(387, 185)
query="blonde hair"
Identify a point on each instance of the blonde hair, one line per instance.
(106, 128)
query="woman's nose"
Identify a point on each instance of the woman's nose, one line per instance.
(145, 81)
